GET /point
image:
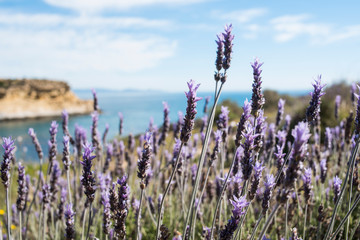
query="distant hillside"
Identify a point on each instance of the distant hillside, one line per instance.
(33, 98)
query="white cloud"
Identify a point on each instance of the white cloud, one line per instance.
(99, 5)
(55, 20)
(56, 46)
(290, 27)
(242, 16)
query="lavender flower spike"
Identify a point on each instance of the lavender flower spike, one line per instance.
(36, 143)
(239, 205)
(188, 124)
(219, 53)
(228, 39)
(166, 124)
(280, 111)
(70, 222)
(106, 213)
(121, 122)
(307, 184)
(8, 145)
(248, 146)
(144, 162)
(312, 112)
(258, 168)
(257, 99)
(65, 125)
(337, 188)
(66, 153)
(269, 184)
(22, 189)
(357, 117)
(243, 119)
(88, 179)
(122, 208)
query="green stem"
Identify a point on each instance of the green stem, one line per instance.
(89, 222)
(286, 218)
(83, 225)
(346, 217)
(8, 219)
(159, 222)
(139, 215)
(221, 196)
(304, 231)
(201, 161)
(33, 200)
(256, 226)
(268, 221)
(68, 182)
(338, 202)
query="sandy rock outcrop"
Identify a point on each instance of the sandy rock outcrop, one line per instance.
(33, 98)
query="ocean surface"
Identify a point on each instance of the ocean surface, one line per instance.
(137, 108)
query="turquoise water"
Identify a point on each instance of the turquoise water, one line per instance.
(137, 108)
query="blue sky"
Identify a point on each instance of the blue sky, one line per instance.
(161, 44)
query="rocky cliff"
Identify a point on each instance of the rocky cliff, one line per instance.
(32, 98)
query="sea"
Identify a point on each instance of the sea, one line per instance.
(137, 107)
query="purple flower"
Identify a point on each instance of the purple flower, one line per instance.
(337, 105)
(46, 195)
(193, 173)
(270, 141)
(223, 122)
(22, 189)
(70, 222)
(258, 168)
(357, 117)
(144, 162)
(228, 39)
(219, 52)
(106, 213)
(80, 138)
(248, 146)
(122, 209)
(96, 105)
(94, 131)
(257, 99)
(166, 124)
(106, 131)
(8, 145)
(177, 126)
(207, 100)
(280, 111)
(269, 184)
(109, 154)
(328, 138)
(243, 119)
(323, 170)
(286, 126)
(307, 184)
(60, 210)
(65, 123)
(54, 179)
(188, 124)
(312, 112)
(36, 143)
(121, 122)
(239, 204)
(88, 179)
(66, 153)
(52, 143)
(301, 135)
(337, 188)
(353, 94)
(216, 150)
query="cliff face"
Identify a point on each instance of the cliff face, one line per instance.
(29, 98)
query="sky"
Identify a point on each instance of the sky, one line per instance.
(162, 44)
